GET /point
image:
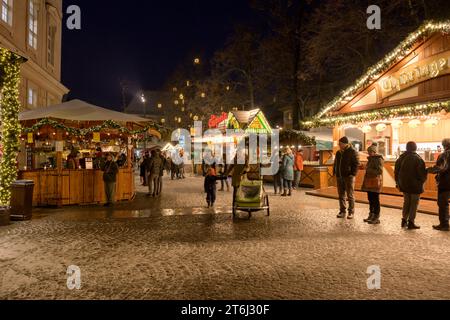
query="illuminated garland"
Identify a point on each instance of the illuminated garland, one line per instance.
(109, 124)
(413, 110)
(397, 54)
(10, 105)
(297, 135)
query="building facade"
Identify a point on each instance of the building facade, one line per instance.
(33, 29)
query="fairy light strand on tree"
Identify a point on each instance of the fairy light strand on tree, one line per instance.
(10, 105)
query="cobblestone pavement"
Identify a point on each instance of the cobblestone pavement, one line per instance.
(174, 248)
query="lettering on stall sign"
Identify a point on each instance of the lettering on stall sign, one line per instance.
(73, 277)
(198, 311)
(414, 74)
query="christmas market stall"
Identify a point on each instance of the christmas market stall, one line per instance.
(243, 123)
(63, 148)
(404, 97)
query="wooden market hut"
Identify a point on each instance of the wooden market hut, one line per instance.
(404, 97)
(76, 119)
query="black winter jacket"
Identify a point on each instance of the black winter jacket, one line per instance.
(346, 163)
(442, 171)
(410, 173)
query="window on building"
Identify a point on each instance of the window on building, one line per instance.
(32, 97)
(32, 24)
(51, 37)
(7, 11)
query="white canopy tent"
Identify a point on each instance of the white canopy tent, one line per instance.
(78, 110)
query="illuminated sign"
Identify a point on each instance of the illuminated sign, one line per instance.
(414, 74)
(215, 121)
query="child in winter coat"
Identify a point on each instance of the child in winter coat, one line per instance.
(211, 187)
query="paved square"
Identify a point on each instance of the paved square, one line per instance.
(174, 248)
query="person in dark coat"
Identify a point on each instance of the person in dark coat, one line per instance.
(210, 186)
(288, 172)
(373, 182)
(153, 172)
(345, 170)
(278, 177)
(143, 168)
(442, 171)
(161, 172)
(410, 176)
(110, 171)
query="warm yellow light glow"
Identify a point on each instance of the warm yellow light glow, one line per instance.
(396, 124)
(413, 124)
(381, 127)
(197, 60)
(159, 105)
(367, 129)
(431, 123)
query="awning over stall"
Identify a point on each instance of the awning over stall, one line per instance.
(78, 110)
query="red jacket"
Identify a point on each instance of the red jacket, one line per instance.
(298, 166)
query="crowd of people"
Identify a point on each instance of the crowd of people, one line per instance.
(289, 173)
(410, 176)
(152, 167)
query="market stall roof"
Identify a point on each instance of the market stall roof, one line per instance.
(78, 110)
(379, 70)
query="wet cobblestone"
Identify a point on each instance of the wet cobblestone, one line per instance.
(174, 248)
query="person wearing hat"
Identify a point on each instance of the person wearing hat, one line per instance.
(373, 182)
(345, 170)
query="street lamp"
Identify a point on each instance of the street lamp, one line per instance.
(144, 102)
(197, 61)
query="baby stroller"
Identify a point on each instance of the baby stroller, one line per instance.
(251, 197)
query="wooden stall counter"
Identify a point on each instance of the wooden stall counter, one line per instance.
(389, 185)
(76, 187)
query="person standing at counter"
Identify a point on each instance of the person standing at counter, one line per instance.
(442, 171)
(410, 176)
(345, 170)
(110, 171)
(373, 182)
(298, 168)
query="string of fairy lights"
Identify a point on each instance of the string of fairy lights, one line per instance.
(10, 105)
(403, 112)
(82, 132)
(401, 51)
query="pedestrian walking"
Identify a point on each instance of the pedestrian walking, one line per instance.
(442, 171)
(288, 172)
(237, 171)
(410, 176)
(222, 171)
(153, 172)
(110, 171)
(143, 168)
(373, 183)
(278, 178)
(298, 168)
(345, 170)
(161, 172)
(210, 186)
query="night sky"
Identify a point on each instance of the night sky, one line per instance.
(141, 41)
